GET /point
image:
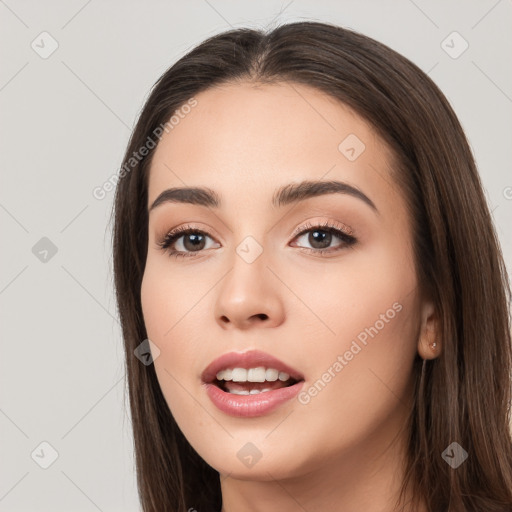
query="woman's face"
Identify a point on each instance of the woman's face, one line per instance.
(346, 319)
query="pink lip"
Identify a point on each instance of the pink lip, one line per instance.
(250, 359)
(248, 406)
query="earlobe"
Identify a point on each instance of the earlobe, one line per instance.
(429, 341)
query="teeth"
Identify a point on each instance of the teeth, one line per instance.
(259, 374)
(245, 392)
(226, 375)
(240, 392)
(271, 375)
(239, 375)
(256, 374)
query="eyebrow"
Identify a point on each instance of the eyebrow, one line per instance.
(288, 194)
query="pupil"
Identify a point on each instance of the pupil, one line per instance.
(193, 241)
(324, 238)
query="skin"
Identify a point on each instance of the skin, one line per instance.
(344, 449)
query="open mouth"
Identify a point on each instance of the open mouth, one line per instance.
(250, 373)
(252, 381)
(250, 384)
(252, 388)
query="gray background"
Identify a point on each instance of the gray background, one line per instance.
(65, 122)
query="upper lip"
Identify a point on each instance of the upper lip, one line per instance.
(250, 359)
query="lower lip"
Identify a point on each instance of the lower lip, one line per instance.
(250, 406)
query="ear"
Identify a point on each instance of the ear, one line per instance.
(429, 340)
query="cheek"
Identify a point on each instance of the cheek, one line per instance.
(359, 367)
(368, 297)
(363, 385)
(168, 299)
(171, 321)
(155, 299)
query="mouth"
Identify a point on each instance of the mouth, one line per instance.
(250, 373)
(251, 387)
(250, 384)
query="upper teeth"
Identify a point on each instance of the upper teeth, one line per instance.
(259, 374)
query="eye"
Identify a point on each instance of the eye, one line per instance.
(320, 237)
(193, 241)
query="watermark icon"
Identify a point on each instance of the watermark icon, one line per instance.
(44, 455)
(44, 250)
(147, 352)
(249, 249)
(507, 193)
(249, 454)
(454, 455)
(100, 192)
(351, 147)
(454, 45)
(304, 397)
(44, 45)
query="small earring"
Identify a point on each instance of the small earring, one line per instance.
(433, 345)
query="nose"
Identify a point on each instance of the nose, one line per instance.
(249, 296)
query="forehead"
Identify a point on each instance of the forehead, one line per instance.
(248, 138)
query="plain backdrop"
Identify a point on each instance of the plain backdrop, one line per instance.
(73, 77)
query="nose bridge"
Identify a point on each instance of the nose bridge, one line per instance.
(250, 249)
(249, 289)
(248, 267)
(250, 237)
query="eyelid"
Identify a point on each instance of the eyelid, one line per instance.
(205, 228)
(326, 224)
(344, 233)
(298, 231)
(182, 230)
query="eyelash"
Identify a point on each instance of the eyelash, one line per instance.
(171, 237)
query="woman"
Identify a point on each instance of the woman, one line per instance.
(311, 290)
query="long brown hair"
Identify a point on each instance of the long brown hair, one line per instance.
(463, 395)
